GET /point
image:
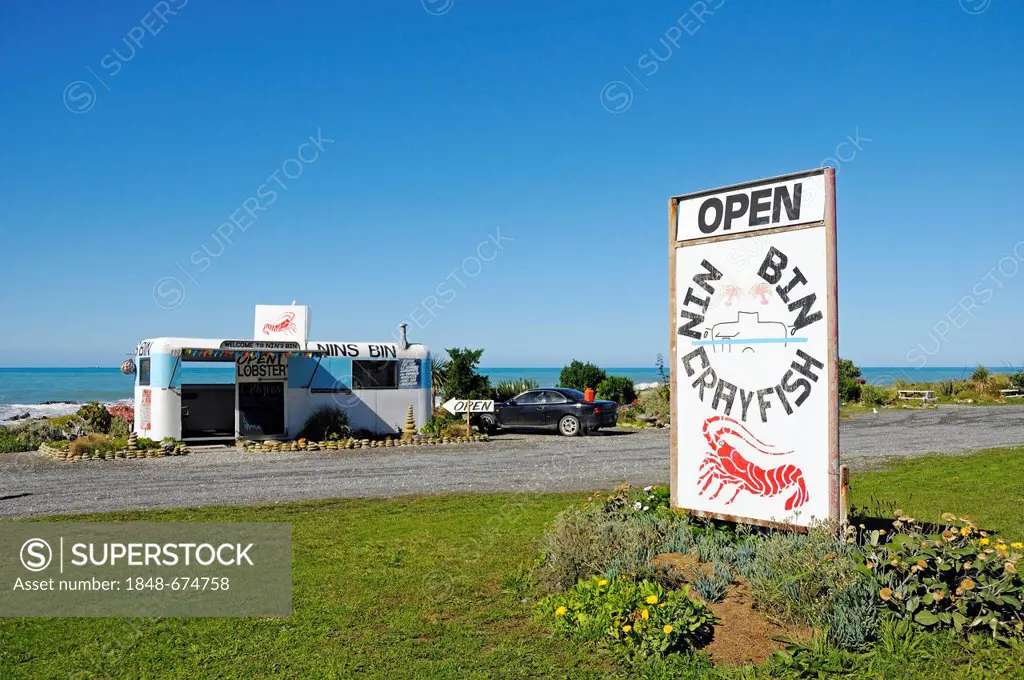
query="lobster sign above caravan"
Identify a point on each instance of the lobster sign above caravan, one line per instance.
(754, 351)
(752, 207)
(282, 322)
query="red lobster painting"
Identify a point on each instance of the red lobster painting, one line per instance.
(724, 464)
(284, 324)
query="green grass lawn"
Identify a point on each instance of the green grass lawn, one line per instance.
(412, 588)
(988, 486)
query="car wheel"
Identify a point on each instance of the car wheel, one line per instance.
(487, 424)
(569, 426)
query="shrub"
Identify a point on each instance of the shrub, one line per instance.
(37, 432)
(437, 423)
(454, 428)
(461, 379)
(95, 416)
(1000, 381)
(636, 620)
(850, 617)
(849, 383)
(507, 389)
(61, 421)
(147, 443)
(656, 402)
(119, 427)
(617, 388)
(723, 573)
(981, 375)
(91, 444)
(793, 576)
(710, 588)
(960, 578)
(612, 535)
(715, 546)
(579, 375)
(327, 422)
(10, 443)
(625, 498)
(1017, 380)
(873, 395)
(122, 410)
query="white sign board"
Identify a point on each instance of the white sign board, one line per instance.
(471, 405)
(281, 322)
(754, 372)
(264, 367)
(746, 208)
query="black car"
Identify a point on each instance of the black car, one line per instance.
(558, 407)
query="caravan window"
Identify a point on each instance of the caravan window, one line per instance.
(374, 375)
(144, 371)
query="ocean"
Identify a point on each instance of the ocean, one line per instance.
(33, 390)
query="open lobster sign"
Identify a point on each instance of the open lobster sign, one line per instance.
(754, 338)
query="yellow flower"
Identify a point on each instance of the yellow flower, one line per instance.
(967, 584)
(667, 629)
(922, 564)
(652, 599)
(627, 628)
(938, 595)
(885, 593)
(947, 534)
(983, 541)
(1017, 544)
(561, 611)
(603, 582)
(1002, 548)
(661, 605)
(645, 614)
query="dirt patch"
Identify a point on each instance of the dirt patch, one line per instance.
(679, 568)
(744, 635)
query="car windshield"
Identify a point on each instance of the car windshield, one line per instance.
(575, 394)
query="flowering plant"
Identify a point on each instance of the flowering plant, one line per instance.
(625, 498)
(123, 411)
(961, 577)
(639, 619)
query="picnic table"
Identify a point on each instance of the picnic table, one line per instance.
(1011, 393)
(924, 396)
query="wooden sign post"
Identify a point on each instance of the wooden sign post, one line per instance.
(468, 406)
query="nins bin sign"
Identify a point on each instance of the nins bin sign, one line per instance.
(754, 336)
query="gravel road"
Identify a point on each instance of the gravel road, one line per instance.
(32, 485)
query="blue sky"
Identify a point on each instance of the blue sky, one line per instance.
(446, 124)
